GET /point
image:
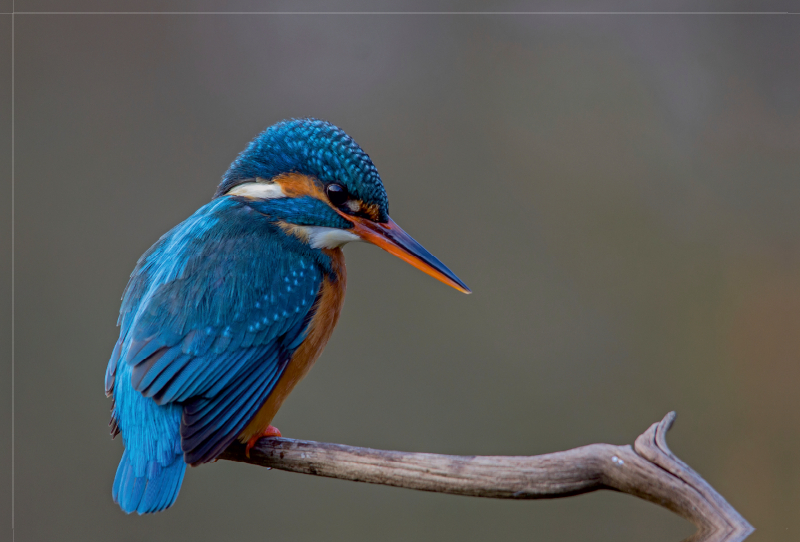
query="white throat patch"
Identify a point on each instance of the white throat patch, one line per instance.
(322, 237)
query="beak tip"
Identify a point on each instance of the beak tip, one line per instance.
(391, 238)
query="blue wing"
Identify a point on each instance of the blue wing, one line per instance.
(211, 317)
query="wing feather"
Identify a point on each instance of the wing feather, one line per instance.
(210, 319)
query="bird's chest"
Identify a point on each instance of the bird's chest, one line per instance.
(327, 309)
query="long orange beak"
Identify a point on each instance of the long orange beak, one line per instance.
(391, 238)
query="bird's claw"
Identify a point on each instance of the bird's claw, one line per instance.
(270, 431)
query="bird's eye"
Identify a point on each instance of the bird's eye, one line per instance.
(337, 194)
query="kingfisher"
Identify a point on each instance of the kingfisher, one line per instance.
(228, 311)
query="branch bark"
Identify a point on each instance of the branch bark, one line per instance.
(648, 470)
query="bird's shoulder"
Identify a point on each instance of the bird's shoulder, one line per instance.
(222, 282)
(216, 265)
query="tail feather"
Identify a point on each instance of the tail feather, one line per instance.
(156, 490)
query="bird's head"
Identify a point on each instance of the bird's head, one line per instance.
(316, 183)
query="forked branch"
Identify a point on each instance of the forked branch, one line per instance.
(648, 470)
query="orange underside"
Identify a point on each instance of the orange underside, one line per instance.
(328, 308)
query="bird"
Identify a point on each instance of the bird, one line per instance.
(228, 311)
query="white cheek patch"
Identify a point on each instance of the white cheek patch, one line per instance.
(322, 237)
(258, 190)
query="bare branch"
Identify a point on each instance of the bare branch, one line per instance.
(648, 470)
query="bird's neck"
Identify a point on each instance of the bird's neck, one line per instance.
(338, 267)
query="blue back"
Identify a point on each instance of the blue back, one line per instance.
(214, 311)
(209, 319)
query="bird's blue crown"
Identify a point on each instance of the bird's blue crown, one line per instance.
(310, 147)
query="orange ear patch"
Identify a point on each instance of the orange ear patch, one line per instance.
(295, 185)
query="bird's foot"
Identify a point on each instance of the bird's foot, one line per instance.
(270, 431)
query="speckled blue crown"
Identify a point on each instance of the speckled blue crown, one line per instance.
(310, 147)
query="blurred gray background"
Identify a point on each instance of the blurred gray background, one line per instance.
(620, 192)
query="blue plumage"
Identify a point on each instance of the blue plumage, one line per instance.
(310, 147)
(243, 293)
(210, 317)
(155, 490)
(304, 210)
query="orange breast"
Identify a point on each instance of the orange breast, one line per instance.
(328, 306)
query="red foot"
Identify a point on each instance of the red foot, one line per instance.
(270, 431)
